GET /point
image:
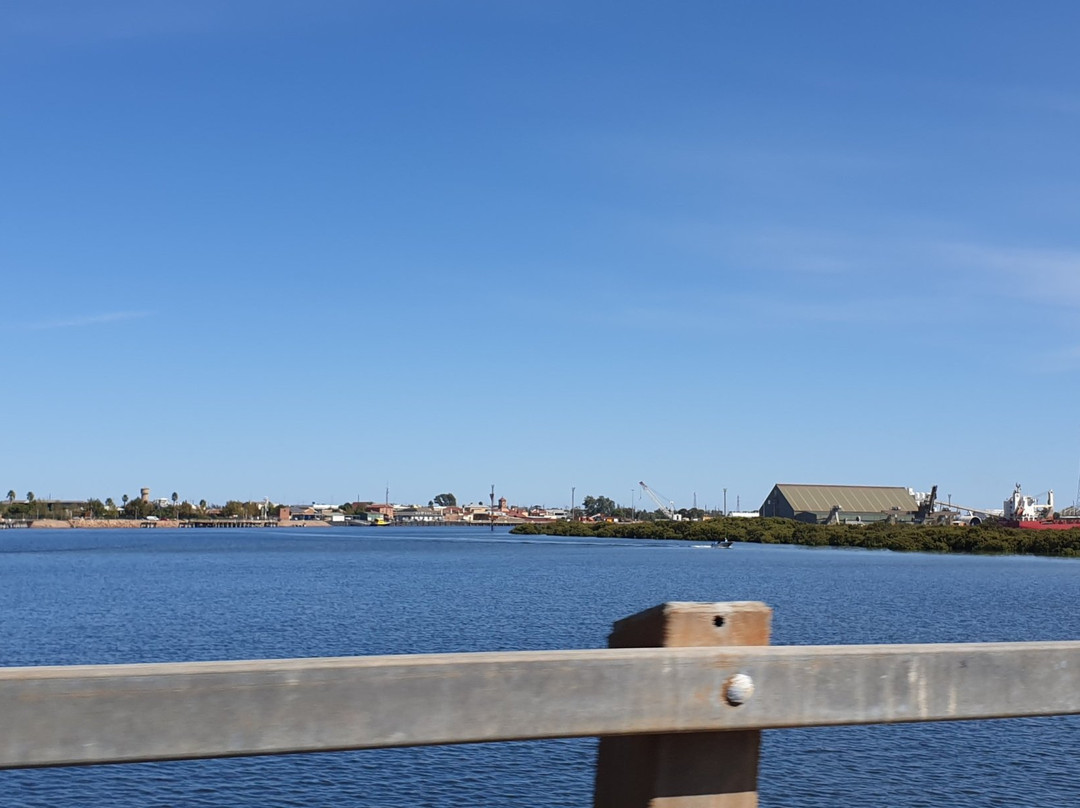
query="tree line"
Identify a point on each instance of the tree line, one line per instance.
(987, 538)
(129, 508)
(601, 506)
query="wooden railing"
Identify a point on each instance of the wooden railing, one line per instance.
(679, 701)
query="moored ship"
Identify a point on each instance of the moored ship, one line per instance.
(1027, 512)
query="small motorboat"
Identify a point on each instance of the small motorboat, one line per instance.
(726, 544)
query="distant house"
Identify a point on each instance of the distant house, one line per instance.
(858, 504)
(452, 513)
(417, 515)
(552, 514)
(302, 513)
(477, 513)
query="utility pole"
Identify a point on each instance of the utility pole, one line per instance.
(492, 513)
(632, 513)
(572, 490)
(725, 502)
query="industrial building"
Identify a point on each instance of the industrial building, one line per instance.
(840, 504)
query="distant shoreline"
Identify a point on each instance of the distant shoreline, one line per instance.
(986, 539)
(187, 524)
(113, 524)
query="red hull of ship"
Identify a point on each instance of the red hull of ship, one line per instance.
(1053, 525)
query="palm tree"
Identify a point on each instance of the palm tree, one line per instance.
(10, 496)
(202, 504)
(29, 496)
(109, 503)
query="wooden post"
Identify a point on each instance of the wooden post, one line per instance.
(693, 769)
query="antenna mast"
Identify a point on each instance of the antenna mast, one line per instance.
(1076, 502)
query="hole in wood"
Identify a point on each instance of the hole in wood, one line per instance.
(718, 621)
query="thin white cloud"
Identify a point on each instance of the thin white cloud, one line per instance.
(86, 320)
(886, 263)
(1055, 362)
(748, 314)
(792, 250)
(1042, 276)
(728, 162)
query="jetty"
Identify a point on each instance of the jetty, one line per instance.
(229, 523)
(678, 699)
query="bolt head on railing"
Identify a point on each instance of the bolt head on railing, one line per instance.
(739, 689)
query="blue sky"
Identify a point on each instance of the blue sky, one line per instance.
(303, 250)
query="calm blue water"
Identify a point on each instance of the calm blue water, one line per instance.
(75, 597)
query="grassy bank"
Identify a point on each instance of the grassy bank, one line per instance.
(987, 539)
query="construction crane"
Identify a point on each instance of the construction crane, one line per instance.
(666, 506)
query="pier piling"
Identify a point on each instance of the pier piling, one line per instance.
(694, 769)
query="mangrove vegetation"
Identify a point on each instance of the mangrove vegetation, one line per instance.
(986, 538)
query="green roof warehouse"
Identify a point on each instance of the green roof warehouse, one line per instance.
(838, 504)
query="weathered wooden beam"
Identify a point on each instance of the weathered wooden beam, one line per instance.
(684, 769)
(116, 713)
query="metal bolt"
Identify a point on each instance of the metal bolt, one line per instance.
(739, 689)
